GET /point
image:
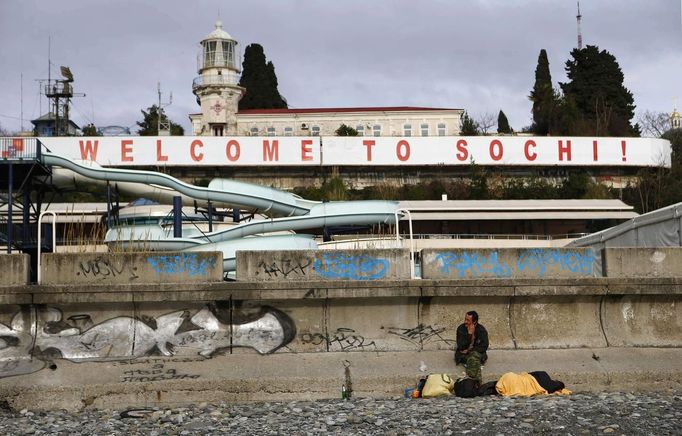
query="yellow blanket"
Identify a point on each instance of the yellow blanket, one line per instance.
(522, 385)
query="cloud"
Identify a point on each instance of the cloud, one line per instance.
(477, 55)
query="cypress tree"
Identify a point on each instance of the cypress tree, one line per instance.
(503, 123)
(260, 81)
(596, 86)
(542, 96)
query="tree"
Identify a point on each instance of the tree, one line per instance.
(260, 81)
(90, 130)
(469, 126)
(596, 87)
(503, 123)
(345, 130)
(485, 122)
(149, 126)
(542, 96)
(654, 124)
(3, 131)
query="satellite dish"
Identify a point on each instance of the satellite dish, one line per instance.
(66, 73)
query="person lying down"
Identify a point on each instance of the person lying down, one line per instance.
(525, 384)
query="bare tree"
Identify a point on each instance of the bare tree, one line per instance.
(653, 123)
(486, 121)
(3, 131)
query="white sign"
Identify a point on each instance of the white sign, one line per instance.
(496, 150)
(188, 150)
(365, 151)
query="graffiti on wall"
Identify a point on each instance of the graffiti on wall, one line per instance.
(536, 261)
(421, 334)
(342, 339)
(351, 267)
(472, 264)
(103, 267)
(285, 268)
(182, 264)
(539, 260)
(38, 334)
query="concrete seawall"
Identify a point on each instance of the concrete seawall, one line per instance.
(100, 343)
(15, 269)
(511, 262)
(643, 262)
(292, 265)
(117, 268)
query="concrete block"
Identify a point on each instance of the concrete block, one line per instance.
(440, 317)
(376, 324)
(518, 263)
(643, 320)
(556, 322)
(643, 262)
(130, 268)
(15, 269)
(382, 264)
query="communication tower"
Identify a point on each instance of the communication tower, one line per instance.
(580, 33)
(60, 92)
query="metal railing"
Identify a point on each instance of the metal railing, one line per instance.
(226, 79)
(17, 149)
(494, 236)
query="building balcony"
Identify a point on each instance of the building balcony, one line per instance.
(229, 79)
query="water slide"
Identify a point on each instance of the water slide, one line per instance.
(292, 212)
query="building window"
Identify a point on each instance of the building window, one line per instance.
(254, 131)
(288, 131)
(425, 129)
(218, 130)
(209, 53)
(376, 130)
(360, 129)
(441, 129)
(407, 130)
(271, 131)
(315, 131)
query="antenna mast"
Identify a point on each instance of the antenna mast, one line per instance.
(164, 124)
(580, 33)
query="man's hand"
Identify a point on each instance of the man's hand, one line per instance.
(464, 351)
(471, 328)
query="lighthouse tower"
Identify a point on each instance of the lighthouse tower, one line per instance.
(216, 88)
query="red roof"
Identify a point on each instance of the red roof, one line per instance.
(340, 109)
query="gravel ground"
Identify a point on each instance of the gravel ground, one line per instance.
(607, 413)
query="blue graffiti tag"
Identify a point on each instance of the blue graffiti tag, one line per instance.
(343, 266)
(473, 264)
(539, 259)
(182, 264)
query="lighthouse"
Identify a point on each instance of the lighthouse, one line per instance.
(217, 86)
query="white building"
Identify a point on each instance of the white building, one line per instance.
(218, 94)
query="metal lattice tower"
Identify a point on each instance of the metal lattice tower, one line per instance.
(164, 124)
(580, 33)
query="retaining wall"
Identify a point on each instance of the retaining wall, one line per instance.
(380, 264)
(124, 268)
(323, 316)
(15, 269)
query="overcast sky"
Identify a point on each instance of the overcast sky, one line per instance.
(479, 55)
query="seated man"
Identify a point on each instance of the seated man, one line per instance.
(472, 344)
